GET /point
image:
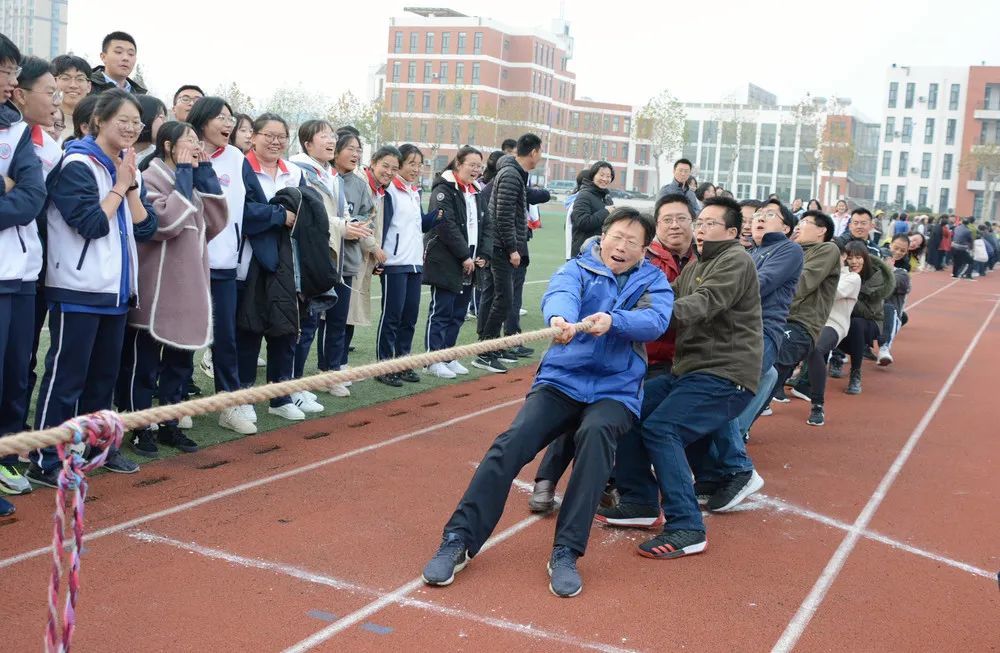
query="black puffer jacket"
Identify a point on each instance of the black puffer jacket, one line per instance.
(270, 303)
(508, 208)
(590, 208)
(446, 245)
(311, 233)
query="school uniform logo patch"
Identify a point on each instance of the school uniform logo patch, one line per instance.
(440, 197)
(5, 150)
(224, 180)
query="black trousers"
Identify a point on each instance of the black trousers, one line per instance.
(859, 337)
(826, 342)
(498, 296)
(146, 361)
(547, 413)
(512, 325)
(962, 263)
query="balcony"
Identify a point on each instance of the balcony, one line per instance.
(987, 110)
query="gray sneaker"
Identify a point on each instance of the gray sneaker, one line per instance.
(451, 558)
(543, 496)
(119, 464)
(565, 579)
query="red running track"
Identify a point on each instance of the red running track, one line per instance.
(876, 532)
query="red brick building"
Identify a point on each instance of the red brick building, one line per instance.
(982, 127)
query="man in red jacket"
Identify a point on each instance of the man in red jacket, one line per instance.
(670, 251)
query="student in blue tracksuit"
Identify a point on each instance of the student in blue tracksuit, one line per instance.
(21, 200)
(588, 384)
(404, 248)
(96, 214)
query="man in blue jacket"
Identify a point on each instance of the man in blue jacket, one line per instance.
(589, 383)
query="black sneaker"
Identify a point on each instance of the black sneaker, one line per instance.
(703, 490)
(390, 380)
(674, 544)
(734, 489)
(869, 355)
(506, 356)
(144, 443)
(172, 436)
(451, 558)
(779, 396)
(816, 417)
(566, 581)
(489, 363)
(39, 476)
(409, 376)
(522, 352)
(192, 390)
(610, 498)
(854, 385)
(836, 368)
(119, 464)
(630, 515)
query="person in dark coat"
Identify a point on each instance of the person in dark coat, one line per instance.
(592, 204)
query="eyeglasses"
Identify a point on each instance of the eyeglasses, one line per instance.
(762, 216)
(126, 125)
(861, 223)
(806, 221)
(56, 95)
(226, 120)
(187, 100)
(615, 240)
(273, 138)
(197, 145)
(13, 74)
(677, 219)
(708, 224)
(73, 79)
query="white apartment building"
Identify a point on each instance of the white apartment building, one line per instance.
(921, 145)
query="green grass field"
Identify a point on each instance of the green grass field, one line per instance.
(547, 254)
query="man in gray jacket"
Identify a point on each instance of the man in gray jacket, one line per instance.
(679, 185)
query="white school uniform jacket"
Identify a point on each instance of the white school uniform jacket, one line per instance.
(23, 204)
(49, 153)
(404, 237)
(289, 175)
(848, 288)
(224, 250)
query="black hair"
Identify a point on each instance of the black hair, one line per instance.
(671, 198)
(725, 193)
(384, 151)
(822, 220)
(267, 117)
(205, 110)
(819, 207)
(527, 144)
(841, 244)
(508, 144)
(700, 191)
(754, 204)
(82, 113)
(187, 87)
(65, 62)
(629, 214)
(733, 215)
(580, 176)
(858, 248)
(682, 161)
(406, 150)
(862, 211)
(151, 107)
(307, 131)
(343, 139)
(594, 169)
(171, 131)
(31, 69)
(9, 51)
(491, 165)
(349, 129)
(463, 152)
(108, 104)
(240, 119)
(923, 241)
(117, 36)
(786, 214)
(943, 219)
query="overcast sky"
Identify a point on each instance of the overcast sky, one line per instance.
(625, 51)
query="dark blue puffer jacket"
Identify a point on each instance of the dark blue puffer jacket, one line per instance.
(779, 264)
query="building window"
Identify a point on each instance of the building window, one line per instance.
(428, 72)
(932, 93)
(503, 74)
(925, 168)
(910, 89)
(883, 193)
(506, 44)
(414, 38)
(461, 45)
(893, 92)
(439, 132)
(475, 73)
(900, 195)
(943, 202)
(411, 101)
(408, 131)
(460, 73)
(458, 104)
(394, 104)
(442, 101)
(949, 134)
(395, 71)
(411, 72)
(907, 130)
(399, 42)
(953, 100)
(456, 132)
(472, 133)
(477, 43)
(922, 198)
(946, 166)
(890, 129)
(615, 124)
(425, 104)
(445, 42)
(904, 159)
(423, 131)
(444, 73)
(929, 131)
(474, 104)
(429, 43)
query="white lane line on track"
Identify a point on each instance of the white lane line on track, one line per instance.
(807, 609)
(243, 487)
(923, 299)
(347, 586)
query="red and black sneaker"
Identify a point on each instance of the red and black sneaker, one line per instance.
(674, 544)
(630, 515)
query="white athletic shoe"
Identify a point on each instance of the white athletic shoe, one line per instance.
(884, 357)
(457, 367)
(233, 419)
(441, 371)
(521, 311)
(310, 395)
(248, 413)
(287, 411)
(339, 390)
(305, 404)
(11, 481)
(185, 422)
(206, 365)
(347, 384)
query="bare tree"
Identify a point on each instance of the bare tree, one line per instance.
(983, 162)
(237, 99)
(661, 122)
(296, 105)
(812, 114)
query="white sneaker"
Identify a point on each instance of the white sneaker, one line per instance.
(346, 384)
(306, 393)
(457, 367)
(305, 404)
(185, 422)
(248, 413)
(233, 419)
(261, 362)
(287, 411)
(884, 357)
(11, 481)
(339, 390)
(441, 371)
(206, 365)
(521, 311)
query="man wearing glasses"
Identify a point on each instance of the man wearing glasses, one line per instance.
(73, 79)
(715, 373)
(184, 99)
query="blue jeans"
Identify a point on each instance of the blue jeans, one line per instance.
(678, 412)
